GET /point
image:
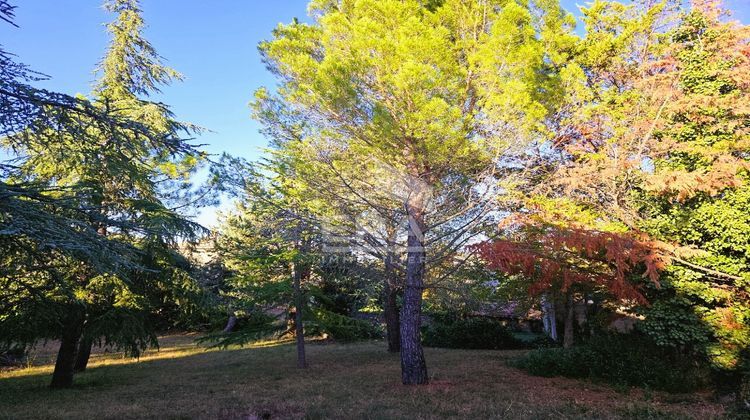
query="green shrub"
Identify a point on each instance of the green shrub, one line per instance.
(470, 333)
(341, 327)
(355, 331)
(533, 340)
(620, 359)
(12, 355)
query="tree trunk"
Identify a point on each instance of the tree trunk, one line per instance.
(299, 330)
(413, 366)
(390, 306)
(83, 354)
(231, 323)
(549, 317)
(62, 377)
(569, 323)
(743, 393)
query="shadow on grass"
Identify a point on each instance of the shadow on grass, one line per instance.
(357, 380)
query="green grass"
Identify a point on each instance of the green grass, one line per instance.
(343, 381)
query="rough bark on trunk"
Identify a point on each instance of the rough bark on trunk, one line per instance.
(569, 323)
(299, 330)
(413, 365)
(62, 377)
(390, 306)
(83, 354)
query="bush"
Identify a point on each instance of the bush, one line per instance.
(12, 356)
(535, 340)
(470, 333)
(341, 327)
(620, 359)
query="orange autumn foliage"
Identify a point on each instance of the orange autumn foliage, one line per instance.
(656, 118)
(557, 258)
(662, 117)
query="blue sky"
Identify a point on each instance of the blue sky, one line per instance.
(213, 44)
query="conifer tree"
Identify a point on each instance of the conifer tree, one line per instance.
(120, 162)
(433, 96)
(271, 249)
(281, 283)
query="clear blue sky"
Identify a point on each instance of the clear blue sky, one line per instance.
(212, 43)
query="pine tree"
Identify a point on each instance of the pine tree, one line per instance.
(423, 101)
(281, 284)
(271, 250)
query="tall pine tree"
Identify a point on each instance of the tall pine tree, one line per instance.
(425, 99)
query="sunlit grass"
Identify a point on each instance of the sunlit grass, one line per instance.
(362, 380)
(171, 347)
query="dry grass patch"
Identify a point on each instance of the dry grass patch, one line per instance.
(343, 381)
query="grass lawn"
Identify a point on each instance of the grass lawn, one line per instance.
(343, 381)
